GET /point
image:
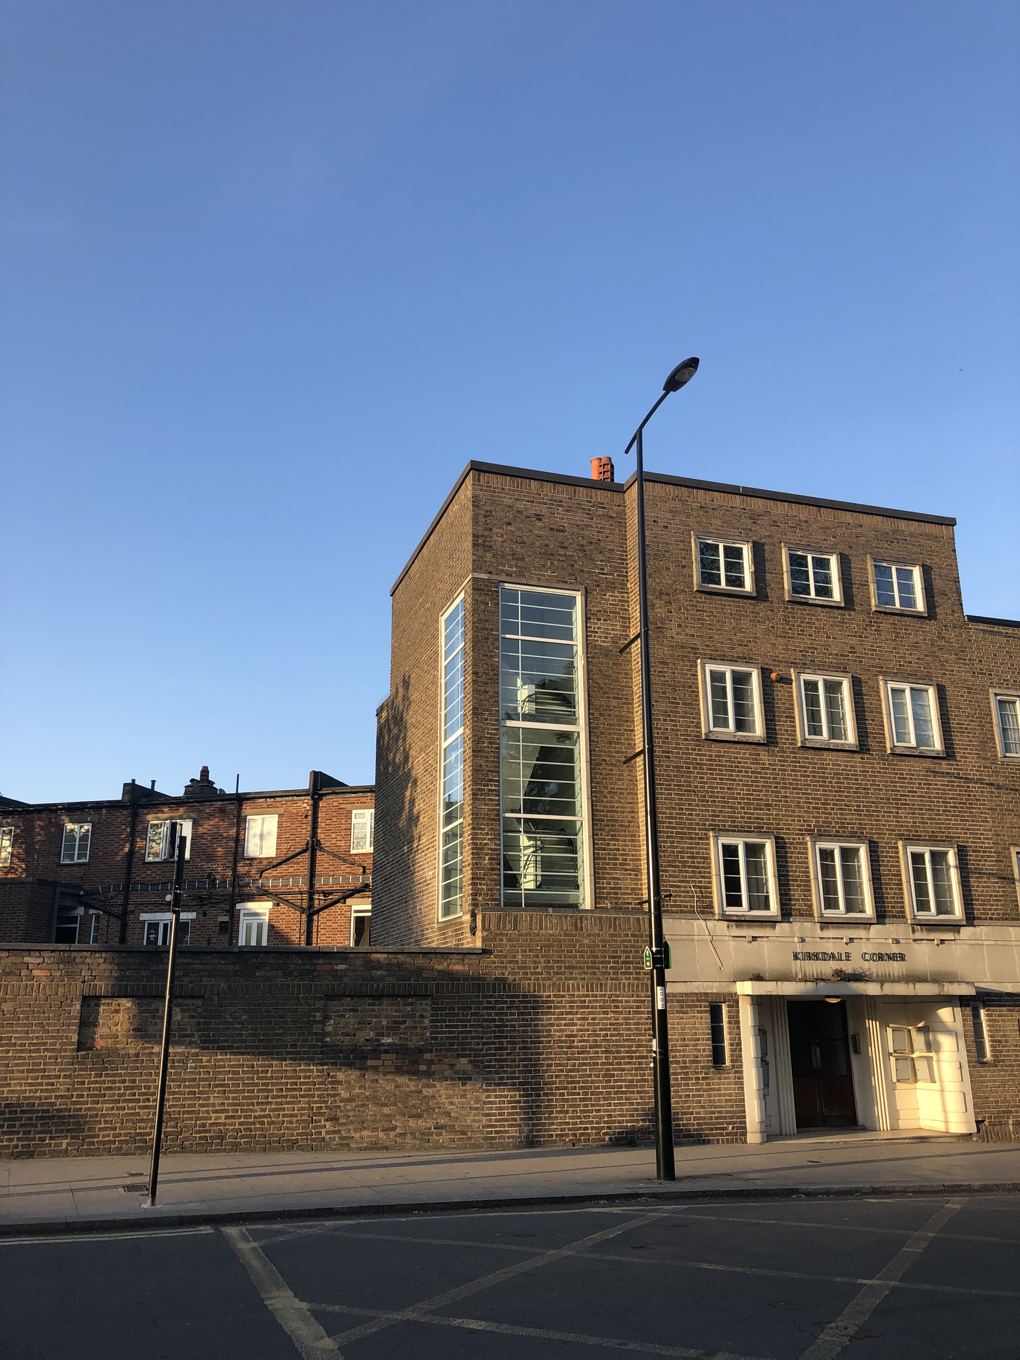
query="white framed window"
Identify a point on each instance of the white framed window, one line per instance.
(161, 840)
(717, 1034)
(841, 879)
(77, 839)
(451, 765)
(92, 926)
(744, 871)
(362, 831)
(260, 836)
(825, 709)
(731, 702)
(156, 928)
(1006, 712)
(1014, 858)
(896, 586)
(912, 717)
(812, 575)
(982, 1048)
(361, 923)
(931, 877)
(253, 925)
(6, 845)
(542, 749)
(724, 565)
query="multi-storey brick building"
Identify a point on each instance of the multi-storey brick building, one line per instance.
(283, 867)
(838, 759)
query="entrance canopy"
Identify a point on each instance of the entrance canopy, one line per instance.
(814, 989)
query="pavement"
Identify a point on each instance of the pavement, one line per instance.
(78, 1194)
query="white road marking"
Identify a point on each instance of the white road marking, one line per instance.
(309, 1339)
(840, 1332)
(103, 1237)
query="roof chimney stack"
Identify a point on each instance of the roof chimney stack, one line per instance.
(202, 787)
(602, 469)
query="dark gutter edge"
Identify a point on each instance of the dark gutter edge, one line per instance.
(1001, 623)
(934, 1190)
(533, 475)
(174, 800)
(475, 951)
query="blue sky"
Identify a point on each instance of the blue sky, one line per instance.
(272, 273)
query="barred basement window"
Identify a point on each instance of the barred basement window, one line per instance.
(75, 846)
(362, 831)
(981, 1046)
(542, 750)
(717, 1027)
(451, 812)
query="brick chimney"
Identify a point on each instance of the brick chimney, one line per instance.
(602, 469)
(202, 787)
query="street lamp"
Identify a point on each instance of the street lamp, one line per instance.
(665, 1169)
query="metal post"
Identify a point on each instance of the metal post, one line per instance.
(168, 1005)
(665, 1168)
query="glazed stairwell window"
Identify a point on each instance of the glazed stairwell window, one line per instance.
(841, 880)
(451, 764)
(722, 565)
(74, 847)
(1006, 712)
(362, 831)
(897, 587)
(542, 755)
(260, 836)
(912, 718)
(825, 710)
(932, 881)
(744, 871)
(161, 840)
(731, 702)
(812, 576)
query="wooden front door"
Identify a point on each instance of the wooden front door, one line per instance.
(823, 1089)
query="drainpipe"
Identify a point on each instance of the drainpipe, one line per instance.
(52, 933)
(128, 867)
(233, 868)
(313, 845)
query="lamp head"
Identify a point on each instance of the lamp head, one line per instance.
(682, 374)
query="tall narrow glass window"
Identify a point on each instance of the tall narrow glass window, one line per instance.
(451, 829)
(541, 756)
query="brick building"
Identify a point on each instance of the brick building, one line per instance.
(97, 873)
(838, 760)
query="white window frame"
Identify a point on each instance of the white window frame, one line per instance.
(444, 742)
(80, 829)
(996, 695)
(745, 546)
(834, 572)
(920, 609)
(148, 917)
(720, 839)
(359, 909)
(930, 918)
(849, 743)
(1014, 859)
(818, 843)
(581, 728)
(979, 1025)
(184, 829)
(253, 913)
(889, 683)
(363, 817)
(254, 845)
(721, 733)
(6, 845)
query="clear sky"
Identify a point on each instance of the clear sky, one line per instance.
(273, 272)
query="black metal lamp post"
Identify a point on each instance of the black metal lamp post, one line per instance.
(665, 1169)
(168, 1008)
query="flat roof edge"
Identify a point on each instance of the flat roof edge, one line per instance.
(174, 800)
(999, 623)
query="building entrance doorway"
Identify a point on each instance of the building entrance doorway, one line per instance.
(823, 1089)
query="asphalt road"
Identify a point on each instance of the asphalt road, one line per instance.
(803, 1279)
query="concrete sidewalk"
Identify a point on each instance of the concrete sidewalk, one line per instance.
(72, 1194)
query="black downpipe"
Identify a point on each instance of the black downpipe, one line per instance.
(233, 868)
(129, 868)
(313, 845)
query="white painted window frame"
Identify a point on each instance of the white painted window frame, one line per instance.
(724, 913)
(363, 817)
(711, 733)
(6, 845)
(1014, 859)
(930, 918)
(76, 857)
(996, 695)
(747, 548)
(837, 843)
(800, 707)
(921, 609)
(359, 909)
(148, 917)
(835, 572)
(256, 913)
(444, 742)
(184, 826)
(254, 845)
(889, 683)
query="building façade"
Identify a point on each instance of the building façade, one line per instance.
(838, 759)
